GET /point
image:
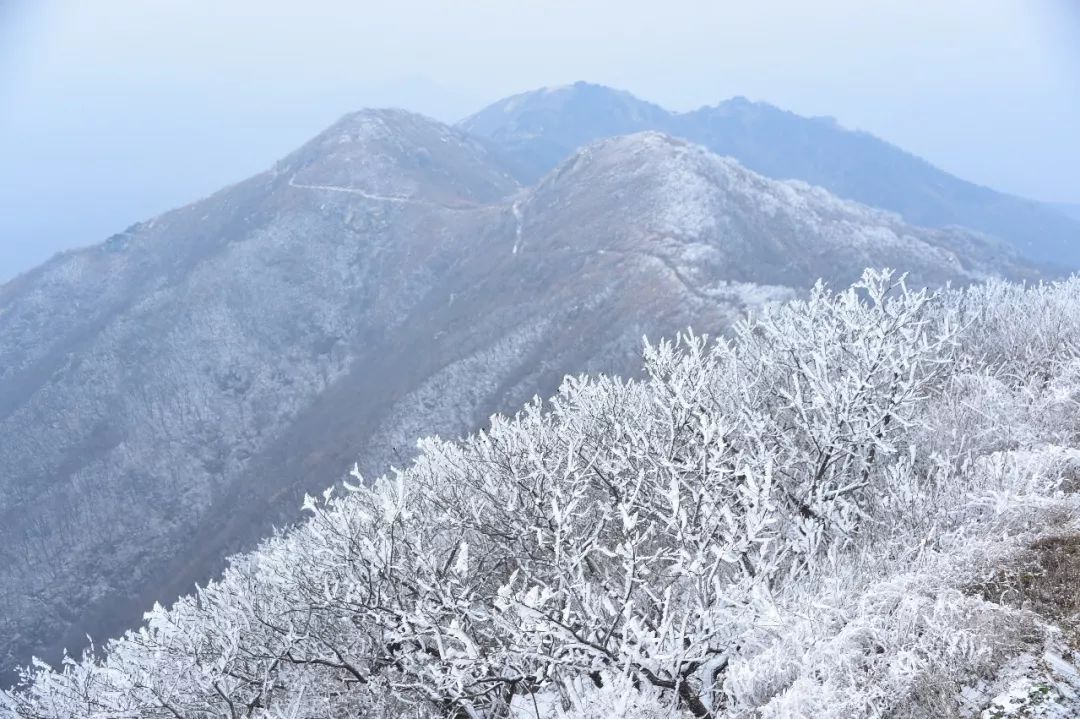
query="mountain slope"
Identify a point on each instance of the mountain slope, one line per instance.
(168, 396)
(1069, 210)
(540, 128)
(142, 379)
(711, 219)
(864, 503)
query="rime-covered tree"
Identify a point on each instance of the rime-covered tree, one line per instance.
(793, 521)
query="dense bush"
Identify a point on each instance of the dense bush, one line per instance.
(801, 520)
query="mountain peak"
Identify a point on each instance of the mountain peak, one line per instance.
(620, 158)
(576, 93)
(737, 106)
(582, 88)
(397, 155)
(738, 101)
(553, 122)
(385, 123)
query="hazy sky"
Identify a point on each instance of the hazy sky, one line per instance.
(114, 110)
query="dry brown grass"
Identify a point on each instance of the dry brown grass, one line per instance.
(1044, 579)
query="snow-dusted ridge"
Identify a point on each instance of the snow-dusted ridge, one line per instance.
(541, 128)
(866, 503)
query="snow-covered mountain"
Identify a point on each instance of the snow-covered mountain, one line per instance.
(168, 396)
(538, 129)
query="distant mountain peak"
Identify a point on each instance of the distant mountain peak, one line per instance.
(739, 104)
(541, 127)
(579, 89)
(574, 87)
(739, 101)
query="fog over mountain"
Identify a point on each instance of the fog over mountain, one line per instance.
(1071, 210)
(169, 395)
(526, 360)
(538, 129)
(117, 110)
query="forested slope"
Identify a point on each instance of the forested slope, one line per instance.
(864, 503)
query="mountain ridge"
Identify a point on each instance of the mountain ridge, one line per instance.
(540, 128)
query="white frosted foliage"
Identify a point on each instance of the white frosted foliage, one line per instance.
(815, 517)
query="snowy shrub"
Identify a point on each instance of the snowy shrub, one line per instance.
(801, 520)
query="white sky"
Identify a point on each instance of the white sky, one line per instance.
(114, 110)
